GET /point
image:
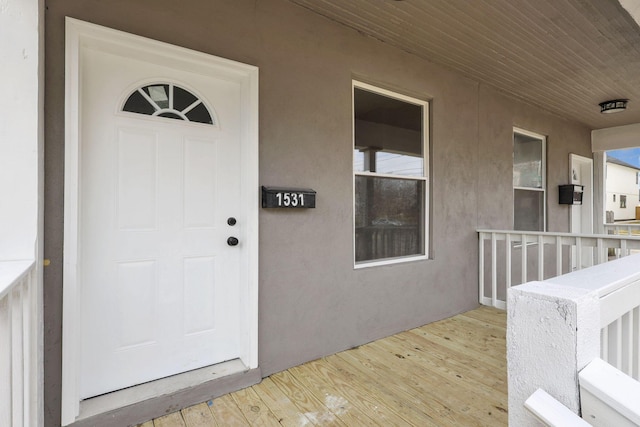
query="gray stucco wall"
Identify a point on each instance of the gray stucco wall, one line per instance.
(312, 301)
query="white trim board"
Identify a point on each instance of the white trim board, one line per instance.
(615, 138)
(81, 36)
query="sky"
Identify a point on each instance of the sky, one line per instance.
(630, 155)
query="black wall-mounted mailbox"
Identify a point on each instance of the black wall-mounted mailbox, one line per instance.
(571, 194)
(288, 198)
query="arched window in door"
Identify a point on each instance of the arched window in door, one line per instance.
(169, 101)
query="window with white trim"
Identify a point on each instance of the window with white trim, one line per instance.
(390, 175)
(529, 182)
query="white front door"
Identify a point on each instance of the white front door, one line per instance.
(159, 197)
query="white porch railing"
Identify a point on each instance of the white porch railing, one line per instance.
(19, 347)
(623, 229)
(504, 261)
(620, 323)
(559, 326)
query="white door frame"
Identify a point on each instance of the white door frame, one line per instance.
(79, 37)
(584, 211)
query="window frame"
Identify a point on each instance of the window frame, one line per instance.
(543, 188)
(425, 178)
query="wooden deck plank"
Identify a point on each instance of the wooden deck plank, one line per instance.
(198, 416)
(488, 314)
(226, 412)
(483, 323)
(254, 409)
(481, 340)
(445, 410)
(458, 395)
(347, 386)
(450, 339)
(487, 368)
(491, 383)
(391, 392)
(305, 401)
(147, 424)
(448, 373)
(345, 406)
(283, 408)
(171, 420)
(462, 366)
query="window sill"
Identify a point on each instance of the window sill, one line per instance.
(390, 261)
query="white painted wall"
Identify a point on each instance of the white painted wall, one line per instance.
(622, 180)
(20, 133)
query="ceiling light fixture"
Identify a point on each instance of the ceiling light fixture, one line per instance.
(613, 106)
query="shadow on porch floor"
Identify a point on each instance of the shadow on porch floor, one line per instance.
(448, 373)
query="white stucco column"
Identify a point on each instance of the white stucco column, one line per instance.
(21, 169)
(552, 333)
(21, 59)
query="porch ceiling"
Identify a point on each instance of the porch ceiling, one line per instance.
(566, 56)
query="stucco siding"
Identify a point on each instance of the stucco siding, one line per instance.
(312, 300)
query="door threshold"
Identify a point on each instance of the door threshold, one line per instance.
(163, 387)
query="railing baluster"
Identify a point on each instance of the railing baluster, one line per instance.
(627, 344)
(27, 355)
(5, 362)
(17, 359)
(19, 349)
(623, 248)
(507, 244)
(618, 343)
(540, 258)
(524, 259)
(601, 251)
(579, 253)
(558, 256)
(604, 344)
(481, 268)
(635, 344)
(494, 271)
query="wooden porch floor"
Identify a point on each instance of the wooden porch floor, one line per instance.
(448, 373)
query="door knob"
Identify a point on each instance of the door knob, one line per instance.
(232, 241)
(231, 221)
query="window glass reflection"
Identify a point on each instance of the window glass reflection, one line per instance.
(389, 217)
(527, 161)
(528, 210)
(388, 135)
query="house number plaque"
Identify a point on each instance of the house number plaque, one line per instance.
(288, 198)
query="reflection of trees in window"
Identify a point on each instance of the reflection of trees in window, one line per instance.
(169, 101)
(389, 217)
(623, 201)
(389, 167)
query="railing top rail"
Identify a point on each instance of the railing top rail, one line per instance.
(11, 273)
(603, 278)
(554, 234)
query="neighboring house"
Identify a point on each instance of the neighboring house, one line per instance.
(623, 191)
(133, 160)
